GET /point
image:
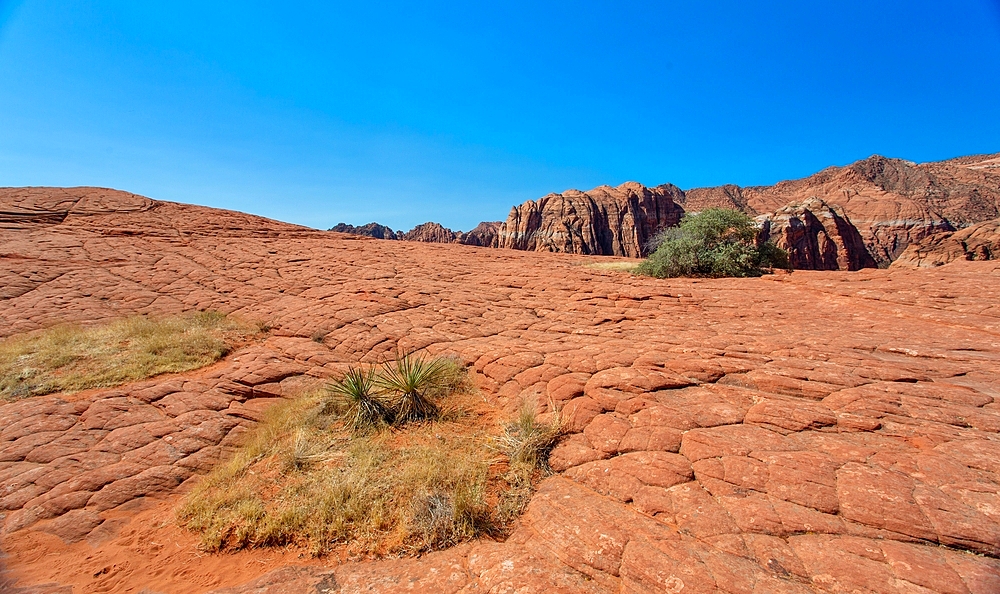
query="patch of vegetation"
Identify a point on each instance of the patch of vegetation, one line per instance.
(72, 357)
(306, 476)
(526, 442)
(716, 242)
(617, 266)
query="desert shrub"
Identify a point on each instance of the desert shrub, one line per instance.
(716, 242)
(363, 410)
(411, 382)
(74, 357)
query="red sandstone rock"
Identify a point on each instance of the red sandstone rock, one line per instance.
(978, 242)
(799, 433)
(816, 237)
(863, 214)
(610, 221)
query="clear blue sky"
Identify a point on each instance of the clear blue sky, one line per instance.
(317, 113)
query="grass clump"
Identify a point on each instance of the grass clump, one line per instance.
(72, 357)
(526, 442)
(306, 476)
(716, 242)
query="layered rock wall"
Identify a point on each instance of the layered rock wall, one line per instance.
(816, 236)
(610, 221)
(888, 203)
(978, 242)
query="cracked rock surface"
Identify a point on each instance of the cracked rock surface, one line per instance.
(811, 432)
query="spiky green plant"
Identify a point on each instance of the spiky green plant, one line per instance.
(364, 412)
(410, 379)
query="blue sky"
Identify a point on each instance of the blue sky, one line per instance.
(317, 113)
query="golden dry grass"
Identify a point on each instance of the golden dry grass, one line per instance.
(616, 266)
(302, 477)
(68, 358)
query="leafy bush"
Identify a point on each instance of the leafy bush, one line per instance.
(716, 242)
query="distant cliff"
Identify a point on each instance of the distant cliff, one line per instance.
(370, 230)
(861, 215)
(483, 234)
(609, 221)
(843, 218)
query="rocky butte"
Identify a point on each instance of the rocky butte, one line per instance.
(812, 432)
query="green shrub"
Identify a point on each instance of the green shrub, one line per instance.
(717, 242)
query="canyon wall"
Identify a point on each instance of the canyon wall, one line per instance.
(617, 221)
(978, 242)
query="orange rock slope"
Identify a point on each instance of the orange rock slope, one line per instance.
(805, 432)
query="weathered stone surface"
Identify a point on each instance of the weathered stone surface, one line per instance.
(810, 432)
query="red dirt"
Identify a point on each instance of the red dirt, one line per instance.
(811, 432)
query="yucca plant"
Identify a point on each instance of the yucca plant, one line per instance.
(364, 412)
(411, 379)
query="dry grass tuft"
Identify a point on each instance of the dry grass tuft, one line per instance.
(617, 266)
(304, 477)
(527, 443)
(72, 357)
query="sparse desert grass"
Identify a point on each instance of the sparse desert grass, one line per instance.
(73, 357)
(617, 266)
(526, 442)
(303, 476)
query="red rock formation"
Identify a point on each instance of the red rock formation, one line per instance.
(894, 203)
(604, 221)
(483, 235)
(429, 232)
(370, 230)
(816, 236)
(978, 242)
(891, 202)
(728, 196)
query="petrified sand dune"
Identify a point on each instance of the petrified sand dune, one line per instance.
(805, 432)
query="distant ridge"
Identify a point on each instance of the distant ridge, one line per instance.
(861, 215)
